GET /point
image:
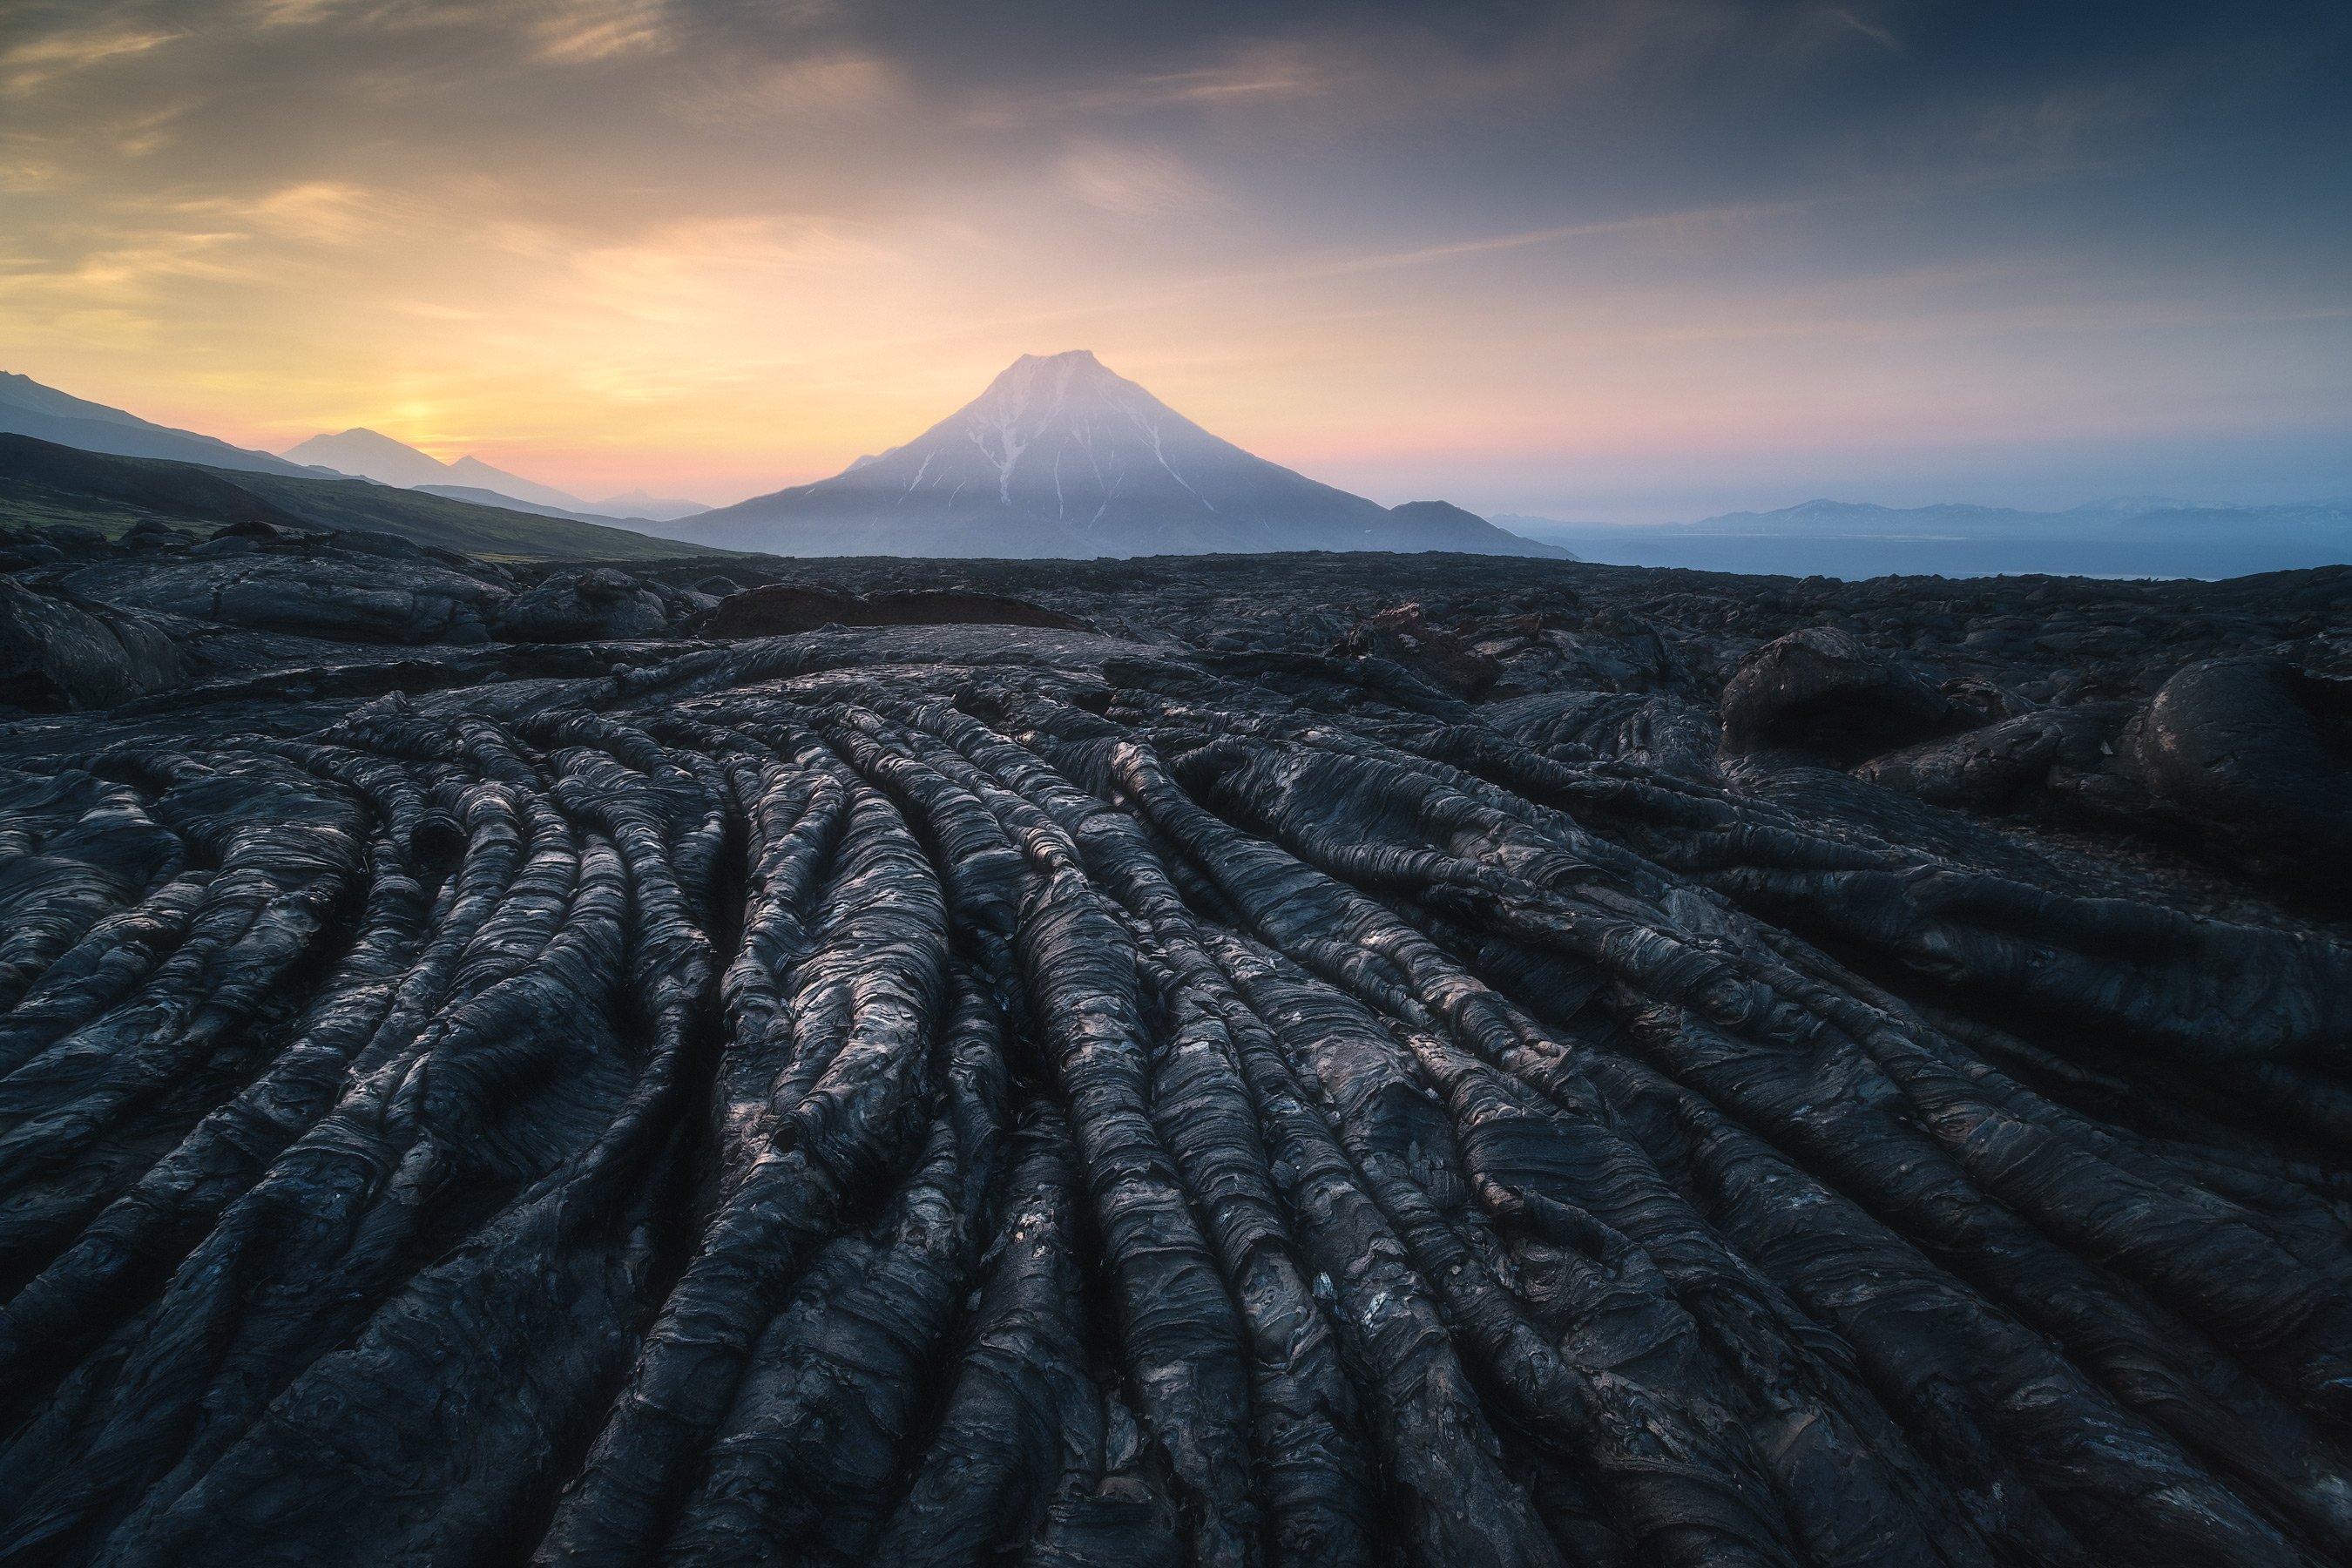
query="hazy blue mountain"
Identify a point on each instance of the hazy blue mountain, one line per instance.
(477, 496)
(1441, 525)
(371, 456)
(655, 508)
(45, 413)
(472, 470)
(1062, 458)
(480, 496)
(2126, 506)
(381, 457)
(2137, 536)
(1865, 519)
(393, 462)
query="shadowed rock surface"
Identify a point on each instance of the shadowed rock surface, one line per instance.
(1305, 1059)
(599, 604)
(57, 651)
(44, 485)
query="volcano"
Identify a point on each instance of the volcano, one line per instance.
(1062, 456)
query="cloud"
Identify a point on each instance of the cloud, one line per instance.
(1876, 32)
(320, 212)
(578, 31)
(827, 88)
(1261, 74)
(1686, 225)
(23, 170)
(1134, 183)
(39, 60)
(293, 13)
(130, 270)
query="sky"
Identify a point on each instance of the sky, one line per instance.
(1625, 259)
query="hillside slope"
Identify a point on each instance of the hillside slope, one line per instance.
(43, 483)
(45, 413)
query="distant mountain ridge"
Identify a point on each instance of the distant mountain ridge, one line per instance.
(45, 413)
(1060, 457)
(375, 456)
(477, 496)
(1825, 515)
(2125, 536)
(652, 508)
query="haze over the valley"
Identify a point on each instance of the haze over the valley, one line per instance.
(1627, 261)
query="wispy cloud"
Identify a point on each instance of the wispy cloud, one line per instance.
(1714, 221)
(24, 169)
(124, 267)
(1134, 183)
(578, 31)
(1847, 19)
(29, 65)
(320, 212)
(1261, 74)
(833, 87)
(294, 12)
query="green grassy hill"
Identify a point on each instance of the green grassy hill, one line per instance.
(42, 483)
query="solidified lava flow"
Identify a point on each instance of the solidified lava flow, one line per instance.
(961, 1094)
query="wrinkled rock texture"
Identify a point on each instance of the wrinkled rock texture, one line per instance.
(582, 606)
(1288, 1060)
(62, 652)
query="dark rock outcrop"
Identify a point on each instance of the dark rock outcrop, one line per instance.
(1992, 765)
(1404, 636)
(337, 595)
(2255, 753)
(599, 604)
(1824, 694)
(57, 654)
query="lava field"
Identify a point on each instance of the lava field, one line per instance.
(1286, 1060)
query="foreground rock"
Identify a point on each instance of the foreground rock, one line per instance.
(2254, 753)
(1226, 1086)
(57, 653)
(1823, 693)
(582, 606)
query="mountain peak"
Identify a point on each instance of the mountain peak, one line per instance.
(1063, 456)
(1047, 381)
(1067, 357)
(2125, 507)
(359, 435)
(374, 455)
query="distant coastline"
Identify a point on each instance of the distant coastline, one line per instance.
(2138, 538)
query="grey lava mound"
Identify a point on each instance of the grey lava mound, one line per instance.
(1276, 1061)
